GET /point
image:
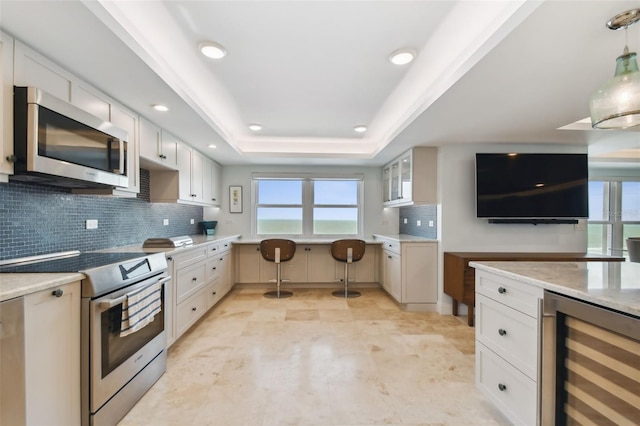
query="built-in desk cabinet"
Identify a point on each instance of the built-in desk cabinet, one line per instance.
(201, 277)
(312, 263)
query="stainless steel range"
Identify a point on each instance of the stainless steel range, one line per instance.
(122, 355)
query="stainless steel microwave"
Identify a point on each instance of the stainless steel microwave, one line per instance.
(59, 144)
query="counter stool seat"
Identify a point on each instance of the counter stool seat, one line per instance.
(277, 250)
(347, 251)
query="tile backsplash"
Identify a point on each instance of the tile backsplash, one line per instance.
(38, 219)
(424, 214)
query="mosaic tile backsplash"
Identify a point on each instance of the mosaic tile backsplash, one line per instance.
(37, 219)
(424, 214)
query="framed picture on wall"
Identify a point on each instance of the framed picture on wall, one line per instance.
(235, 199)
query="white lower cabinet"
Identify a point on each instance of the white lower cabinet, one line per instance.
(52, 356)
(201, 277)
(410, 271)
(508, 326)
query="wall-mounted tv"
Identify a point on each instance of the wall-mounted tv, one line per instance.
(532, 186)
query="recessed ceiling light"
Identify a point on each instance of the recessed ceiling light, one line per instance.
(212, 146)
(360, 129)
(212, 50)
(159, 107)
(255, 127)
(402, 56)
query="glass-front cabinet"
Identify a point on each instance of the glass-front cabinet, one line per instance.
(411, 178)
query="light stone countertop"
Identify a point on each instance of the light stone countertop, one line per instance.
(614, 285)
(404, 238)
(305, 240)
(16, 285)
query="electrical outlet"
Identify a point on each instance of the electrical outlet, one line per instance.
(405, 220)
(91, 224)
(193, 221)
(431, 223)
(419, 223)
(165, 222)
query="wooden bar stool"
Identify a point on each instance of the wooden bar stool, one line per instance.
(347, 251)
(278, 251)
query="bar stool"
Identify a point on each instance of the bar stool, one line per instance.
(347, 251)
(278, 251)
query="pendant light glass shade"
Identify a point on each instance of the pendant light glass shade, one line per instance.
(616, 104)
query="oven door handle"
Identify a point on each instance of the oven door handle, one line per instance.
(108, 304)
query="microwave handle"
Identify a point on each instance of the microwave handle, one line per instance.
(108, 304)
(122, 150)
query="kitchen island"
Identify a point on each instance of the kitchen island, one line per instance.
(577, 323)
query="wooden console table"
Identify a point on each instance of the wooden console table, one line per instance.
(460, 278)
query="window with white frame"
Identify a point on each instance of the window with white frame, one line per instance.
(307, 206)
(614, 215)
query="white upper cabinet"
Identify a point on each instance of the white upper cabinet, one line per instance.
(6, 114)
(411, 178)
(157, 147)
(33, 69)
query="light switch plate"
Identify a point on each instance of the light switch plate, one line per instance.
(91, 224)
(165, 222)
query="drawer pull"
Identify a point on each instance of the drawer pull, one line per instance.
(194, 279)
(57, 293)
(214, 268)
(502, 290)
(502, 387)
(194, 309)
(502, 332)
(214, 293)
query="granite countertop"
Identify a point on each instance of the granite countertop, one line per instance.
(19, 284)
(615, 285)
(404, 238)
(16, 285)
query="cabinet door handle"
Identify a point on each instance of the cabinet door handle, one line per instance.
(213, 199)
(57, 292)
(502, 331)
(389, 257)
(194, 309)
(214, 268)
(214, 293)
(502, 387)
(502, 290)
(194, 279)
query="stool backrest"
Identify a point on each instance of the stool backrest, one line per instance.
(340, 250)
(268, 249)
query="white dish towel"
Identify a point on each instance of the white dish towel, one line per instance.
(139, 308)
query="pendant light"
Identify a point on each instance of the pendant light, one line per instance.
(616, 104)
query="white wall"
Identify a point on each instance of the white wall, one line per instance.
(376, 219)
(460, 230)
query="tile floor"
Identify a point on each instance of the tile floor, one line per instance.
(315, 359)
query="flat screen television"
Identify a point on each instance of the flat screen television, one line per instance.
(532, 186)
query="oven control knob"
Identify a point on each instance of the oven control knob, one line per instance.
(57, 292)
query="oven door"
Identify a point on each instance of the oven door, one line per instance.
(115, 360)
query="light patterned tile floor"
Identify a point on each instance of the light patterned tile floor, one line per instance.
(314, 359)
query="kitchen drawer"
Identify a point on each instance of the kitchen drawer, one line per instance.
(519, 296)
(509, 333)
(189, 257)
(392, 246)
(190, 310)
(189, 280)
(510, 390)
(212, 268)
(212, 250)
(214, 292)
(224, 246)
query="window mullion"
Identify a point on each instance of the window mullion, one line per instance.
(307, 209)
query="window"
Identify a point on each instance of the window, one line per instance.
(307, 206)
(614, 216)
